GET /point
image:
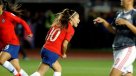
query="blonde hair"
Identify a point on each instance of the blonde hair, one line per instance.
(64, 17)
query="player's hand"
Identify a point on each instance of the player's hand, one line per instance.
(30, 35)
(98, 20)
(121, 21)
(64, 56)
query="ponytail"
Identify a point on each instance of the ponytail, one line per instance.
(12, 7)
(67, 14)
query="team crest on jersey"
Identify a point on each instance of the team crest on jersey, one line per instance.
(3, 20)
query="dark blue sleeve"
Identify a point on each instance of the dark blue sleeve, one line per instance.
(114, 18)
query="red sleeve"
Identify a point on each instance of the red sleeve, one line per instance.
(70, 32)
(22, 22)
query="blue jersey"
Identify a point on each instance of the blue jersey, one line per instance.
(124, 36)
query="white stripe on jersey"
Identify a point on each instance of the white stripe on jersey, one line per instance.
(13, 14)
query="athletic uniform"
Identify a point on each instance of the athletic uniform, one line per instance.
(8, 36)
(52, 48)
(124, 43)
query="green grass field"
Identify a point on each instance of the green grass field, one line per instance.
(71, 67)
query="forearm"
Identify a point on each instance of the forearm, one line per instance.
(131, 27)
(24, 24)
(105, 23)
(64, 46)
(64, 49)
(108, 26)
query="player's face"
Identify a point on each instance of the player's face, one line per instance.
(76, 20)
(126, 2)
(123, 2)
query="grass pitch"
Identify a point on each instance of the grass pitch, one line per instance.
(71, 67)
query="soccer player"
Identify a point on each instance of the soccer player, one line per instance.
(57, 41)
(8, 39)
(124, 50)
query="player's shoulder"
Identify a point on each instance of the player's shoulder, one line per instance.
(119, 11)
(134, 11)
(70, 28)
(9, 13)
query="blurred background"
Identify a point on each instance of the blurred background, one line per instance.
(40, 14)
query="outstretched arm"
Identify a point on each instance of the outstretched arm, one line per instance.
(17, 19)
(105, 23)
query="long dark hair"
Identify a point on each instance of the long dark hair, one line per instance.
(13, 7)
(66, 16)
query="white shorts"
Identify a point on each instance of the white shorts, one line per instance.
(124, 58)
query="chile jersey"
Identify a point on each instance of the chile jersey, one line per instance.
(56, 36)
(124, 36)
(7, 24)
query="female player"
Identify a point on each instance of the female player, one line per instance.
(57, 41)
(124, 50)
(9, 39)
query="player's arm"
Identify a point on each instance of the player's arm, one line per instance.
(105, 23)
(68, 37)
(26, 27)
(131, 27)
(124, 22)
(23, 23)
(64, 48)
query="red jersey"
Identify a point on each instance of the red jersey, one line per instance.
(7, 25)
(56, 36)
